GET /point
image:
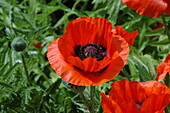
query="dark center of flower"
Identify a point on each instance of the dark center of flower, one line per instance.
(90, 50)
(139, 103)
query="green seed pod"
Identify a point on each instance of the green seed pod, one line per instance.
(74, 88)
(18, 44)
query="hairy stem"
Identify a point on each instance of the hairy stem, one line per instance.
(25, 69)
(85, 101)
(92, 90)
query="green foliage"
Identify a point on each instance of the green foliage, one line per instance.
(45, 20)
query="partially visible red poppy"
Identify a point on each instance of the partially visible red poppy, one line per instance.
(38, 45)
(136, 97)
(159, 25)
(163, 68)
(152, 8)
(88, 53)
(129, 37)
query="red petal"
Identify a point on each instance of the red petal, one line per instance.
(81, 32)
(152, 8)
(109, 106)
(155, 88)
(129, 37)
(89, 64)
(130, 107)
(162, 71)
(66, 45)
(156, 103)
(78, 33)
(111, 71)
(119, 45)
(163, 68)
(124, 91)
(103, 29)
(168, 8)
(62, 68)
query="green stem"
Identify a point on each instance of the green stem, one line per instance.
(166, 27)
(25, 69)
(85, 101)
(92, 90)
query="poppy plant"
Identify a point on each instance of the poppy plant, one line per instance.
(163, 68)
(152, 8)
(136, 97)
(89, 52)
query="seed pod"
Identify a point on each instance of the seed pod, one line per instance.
(18, 44)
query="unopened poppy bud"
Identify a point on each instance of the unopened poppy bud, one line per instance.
(74, 88)
(18, 44)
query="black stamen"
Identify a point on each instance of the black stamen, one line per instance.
(139, 103)
(90, 50)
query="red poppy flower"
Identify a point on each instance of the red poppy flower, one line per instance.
(88, 53)
(163, 68)
(129, 37)
(38, 46)
(159, 25)
(152, 8)
(135, 97)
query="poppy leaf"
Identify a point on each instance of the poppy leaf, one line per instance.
(163, 52)
(2, 83)
(163, 42)
(52, 89)
(113, 9)
(155, 32)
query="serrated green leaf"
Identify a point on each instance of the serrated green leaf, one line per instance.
(113, 7)
(155, 32)
(2, 83)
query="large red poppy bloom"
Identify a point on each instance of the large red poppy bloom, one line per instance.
(163, 68)
(152, 8)
(135, 97)
(89, 52)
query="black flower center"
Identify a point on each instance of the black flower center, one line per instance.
(139, 103)
(90, 50)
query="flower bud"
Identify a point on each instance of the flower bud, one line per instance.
(18, 44)
(74, 88)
